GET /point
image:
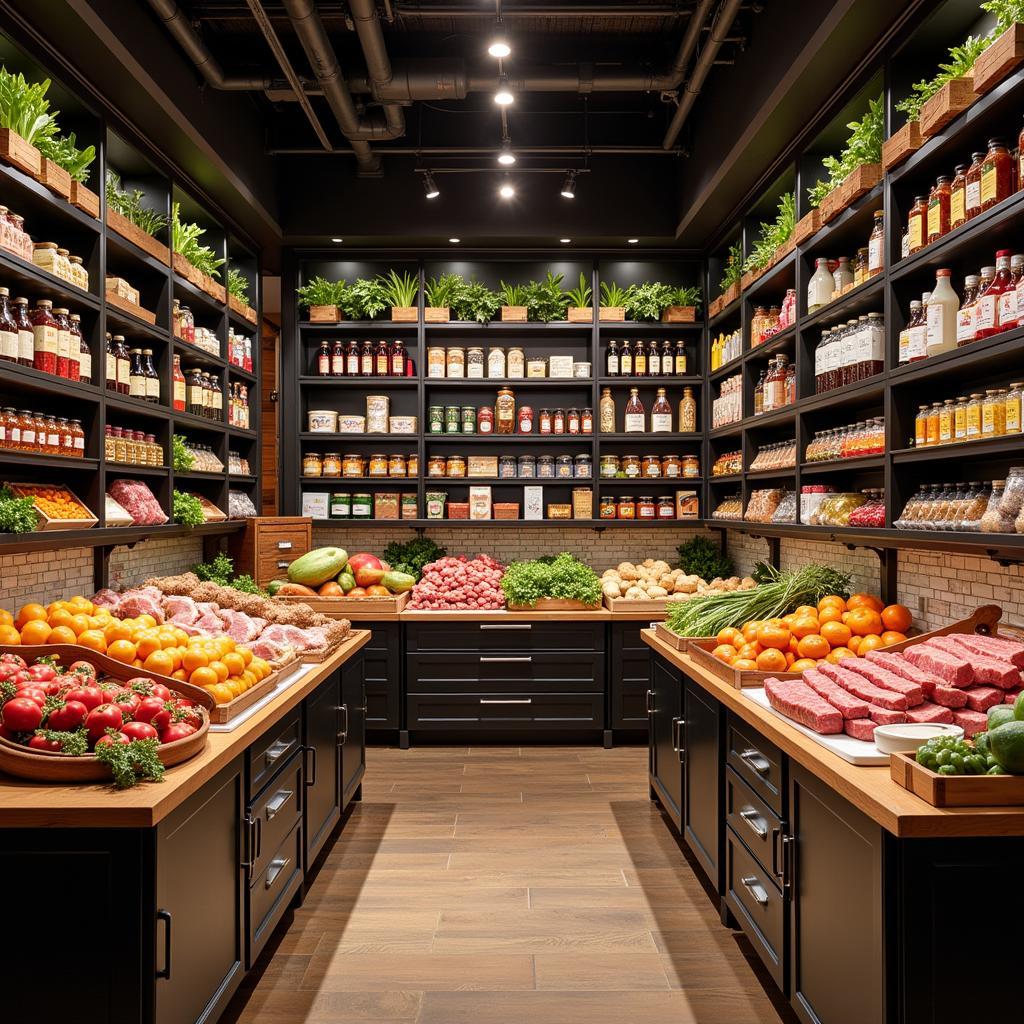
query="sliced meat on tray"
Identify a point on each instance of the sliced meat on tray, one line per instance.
(1010, 696)
(844, 701)
(971, 721)
(887, 680)
(950, 668)
(986, 669)
(981, 698)
(994, 647)
(932, 714)
(860, 729)
(860, 687)
(796, 700)
(883, 716)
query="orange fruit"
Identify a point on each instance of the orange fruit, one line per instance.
(788, 620)
(813, 646)
(80, 622)
(234, 662)
(221, 669)
(146, 620)
(804, 625)
(234, 684)
(854, 644)
(864, 601)
(81, 604)
(30, 613)
(193, 659)
(806, 609)
(790, 658)
(147, 644)
(179, 673)
(122, 650)
(63, 635)
(771, 635)
(159, 661)
(863, 621)
(802, 665)
(871, 642)
(750, 629)
(892, 636)
(117, 630)
(832, 601)
(897, 617)
(835, 633)
(250, 680)
(6, 618)
(59, 617)
(744, 665)
(94, 640)
(794, 642)
(830, 613)
(222, 693)
(838, 653)
(203, 676)
(9, 635)
(247, 654)
(36, 631)
(745, 653)
(772, 660)
(730, 635)
(724, 652)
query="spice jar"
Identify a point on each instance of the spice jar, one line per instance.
(631, 467)
(525, 420)
(505, 411)
(475, 363)
(650, 466)
(436, 466)
(455, 466)
(397, 465)
(353, 466)
(456, 362)
(312, 464)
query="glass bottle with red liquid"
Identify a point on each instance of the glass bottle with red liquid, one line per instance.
(45, 337)
(178, 383)
(26, 333)
(987, 307)
(996, 174)
(8, 329)
(67, 359)
(323, 359)
(84, 355)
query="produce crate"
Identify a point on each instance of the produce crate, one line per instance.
(611, 314)
(505, 509)
(213, 288)
(999, 59)
(700, 651)
(147, 243)
(325, 315)
(513, 314)
(580, 314)
(832, 205)
(950, 101)
(45, 522)
(55, 178)
(901, 144)
(458, 509)
(555, 604)
(860, 181)
(436, 314)
(338, 607)
(679, 315)
(715, 306)
(785, 249)
(806, 226)
(223, 713)
(404, 314)
(649, 605)
(244, 311)
(14, 150)
(955, 790)
(731, 294)
(127, 306)
(680, 643)
(85, 199)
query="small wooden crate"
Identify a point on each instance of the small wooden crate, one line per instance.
(611, 314)
(458, 509)
(127, 306)
(85, 199)
(731, 294)
(404, 314)
(213, 288)
(147, 243)
(555, 604)
(45, 522)
(1006, 53)
(513, 314)
(832, 205)
(680, 643)
(505, 509)
(950, 101)
(436, 314)
(715, 306)
(244, 311)
(679, 315)
(955, 790)
(339, 607)
(806, 226)
(700, 651)
(55, 178)
(649, 606)
(14, 150)
(901, 144)
(223, 713)
(325, 315)
(580, 314)
(860, 181)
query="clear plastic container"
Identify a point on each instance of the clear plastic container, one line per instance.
(993, 521)
(1013, 494)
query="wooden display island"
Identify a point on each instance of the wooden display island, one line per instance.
(174, 888)
(847, 885)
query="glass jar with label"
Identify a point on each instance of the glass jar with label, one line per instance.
(455, 466)
(972, 185)
(958, 197)
(993, 413)
(397, 465)
(436, 466)
(496, 363)
(1013, 408)
(469, 419)
(515, 364)
(526, 467)
(650, 466)
(960, 419)
(917, 225)
(587, 421)
(606, 508)
(456, 362)
(996, 174)
(974, 417)
(340, 506)
(332, 464)
(436, 362)
(607, 412)
(353, 465)
(312, 463)
(558, 421)
(524, 420)
(485, 420)
(609, 466)
(691, 467)
(572, 421)
(475, 363)
(625, 508)
(505, 411)
(631, 467)
(645, 507)
(876, 245)
(671, 466)
(583, 467)
(362, 506)
(377, 465)
(545, 467)
(939, 209)
(544, 421)
(666, 507)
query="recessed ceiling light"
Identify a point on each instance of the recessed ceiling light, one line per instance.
(430, 189)
(632, 241)
(499, 48)
(337, 239)
(506, 191)
(454, 241)
(565, 241)
(503, 97)
(506, 157)
(569, 186)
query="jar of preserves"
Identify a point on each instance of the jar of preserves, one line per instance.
(691, 467)
(946, 422)
(340, 505)
(455, 466)
(932, 425)
(507, 467)
(545, 467)
(505, 411)
(353, 466)
(78, 441)
(436, 466)
(412, 465)
(496, 363)
(436, 362)
(453, 419)
(475, 363)
(485, 419)
(469, 419)
(397, 465)
(996, 174)
(917, 225)
(456, 362)
(362, 506)
(525, 420)
(606, 508)
(671, 466)
(609, 467)
(921, 427)
(959, 419)
(650, 466)
(583, 467)
(515, 368)
(572, 421)
(607, 412)
(1013, 408)
(526, 466)
(666, 507)
(587, 421)
(435, 419)
(993, 413)
(564, 467)
(974, 417)
(544, 422)
(377, 465)
(108, 441)
(958, 197)
(332, 464)
(630, 467)
(939, 209)
(876, 245)
(625, 508)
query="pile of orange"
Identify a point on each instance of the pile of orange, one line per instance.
(833, 630)
(223, 668)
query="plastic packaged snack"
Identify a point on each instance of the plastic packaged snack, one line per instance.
(240, 505)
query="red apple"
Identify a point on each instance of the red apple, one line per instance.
(366, 569)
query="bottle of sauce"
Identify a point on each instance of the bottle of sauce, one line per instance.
(639, 359)
(611, 363)
(606, 412)
(178, 384)
(323, 359)
(661, 414)
(921, 427)
(939, 209)
(874, 349)
(366, 359)
(965, 317)
(626, 360)
(775, 383)
(335, 360)
(124, 365)
(216, 399)
(996, 174)
(26, 333)
(64, 346)
(819, 288)
(84, 355)
(195, 392)
(45, 341)
(110, 364)
(505, 411)
(876, 245)
(940, 317)
(917, 225)
(398, 359)
(8, 329)
(917, 344)
(1009, 316)
(654, 359)
(759, 393)
(843, 278)
(958, 197)
(972, 187)
(688, 412)
(635, 414)
(903, 347)
(382, 360)
(987, 320)
(152, 377)
(136, 375)
(352, 361)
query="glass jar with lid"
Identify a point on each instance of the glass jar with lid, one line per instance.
(650, 467)
(475, 363)
(631, 467)
(1014, 396)
(996, 174)
(332, 464)
(496, 363)
(377, 464)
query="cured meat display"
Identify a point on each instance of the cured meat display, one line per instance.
(138, 501)
(798, 701)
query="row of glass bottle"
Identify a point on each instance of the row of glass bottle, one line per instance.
(776, 387)
(961, 507)
(854, 441)
(996, 413)
(849, 352)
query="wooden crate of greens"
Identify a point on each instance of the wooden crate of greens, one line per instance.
(611, 314)
(513, 314)
(55, 178)
(436, 314)
(14, 150)
(122, 226)
(955, 790)
(950, 101)
(85, 199)
(806, 226)
(1005, 54)
(324, 315)
(902, 143)
(679, 315)
(680, 643)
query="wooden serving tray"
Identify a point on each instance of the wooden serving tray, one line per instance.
(700, 651)
(555, 604)
(336, 607)
(680, 643)
(984, 620)
(955, 790)
(25, 490)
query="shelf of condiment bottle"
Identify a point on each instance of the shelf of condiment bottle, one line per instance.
(865, 462)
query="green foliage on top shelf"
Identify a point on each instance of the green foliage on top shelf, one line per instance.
(961, 60)
(701, 557)
(733, 267)
(475, 301)
(580, 297)
(185, 240)
(443, 292)
(612, 294)
(512, 294)
(774, 234)
(366, 299)
(545, 300)
(560, 577)
(129, 205)
(64, 152)
(318, 291)
(646, 301)
(1007, 12)
(238, 285)
(399, 290)
(684, 295)
(864, 146)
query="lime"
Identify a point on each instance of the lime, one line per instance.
(1007, 746)
(1000, 715)
(1018, 707)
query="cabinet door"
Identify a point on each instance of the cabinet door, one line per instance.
(199, 898)
(383, 658)
(321, 724)
(630, 673)
(353, 735)
(665, 701)
(702, 778)
(837, 970)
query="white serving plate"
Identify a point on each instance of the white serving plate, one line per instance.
(906, 738)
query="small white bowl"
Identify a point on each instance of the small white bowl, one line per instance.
(906, 738)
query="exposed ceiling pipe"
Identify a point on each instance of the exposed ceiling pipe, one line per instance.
(544, 10)
(206, 64)
(484, 151)
(719, 32)
(378, 65)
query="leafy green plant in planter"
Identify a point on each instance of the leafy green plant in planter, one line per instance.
(1007, 12)
(182, 460)
(701, 557)
(475, 301)
(961, 60)
(318, 291)
(512, 294)
(562, 577)
(238, 285)
(580, 297)
(612, 295)
(24, 108)
(367, 298)
(443, 292)
(185, 240)
(686, 296)
(646, 301)
(545, 300)
(864, 146)
(733, 267)
(64, 152)
(773, 235)
(399, 292)
(129, 205)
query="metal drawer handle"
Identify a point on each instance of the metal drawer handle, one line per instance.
(649, 702)
(676, 740)
(343, 731)
(506, 625)
(756, 890)
(284, 545)
(277, 750)
(165, 971)
(275, 868)
(311, 773)
(527, 657)
(281, 797)
(511, 700)
(756, 760)
(283, 565)
(755, 822)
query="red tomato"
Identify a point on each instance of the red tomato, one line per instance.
(90, 696)
(42, 673)
(154, 711)
(13, 659)
(192, 716)
(112, 737)
(177, 731)
(22, 715)
(128, 701)
(42, 743)
(83, 668)
(68, 717)
(139, 731)
(106, 716)
(33, 693)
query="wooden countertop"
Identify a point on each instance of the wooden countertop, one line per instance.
(871, 789)
(501, 615)
(25, 804)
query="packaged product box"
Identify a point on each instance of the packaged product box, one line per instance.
(482, 465)
(119, 286)
(559, 510)
(435, 504)
(560, 366)
(582, 503)
(687, 505)
(533, 502)
(385, 505)
(410, 508)
(479, 502)
(401, 425)
(315, 504)
(536, 369)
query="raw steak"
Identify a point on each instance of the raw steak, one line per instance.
(268, 650)
(998, 672)
(106, 599)
(210, 623)
(182, 611)
(886, 680)
(972, 721)
(947, 696)
(796, 700)
(1010, 696)
(136, 602)
(860, 687)
(899, 666)
(860, 729)
(993, 647)
(931, 713)
(843, 700)
(981, 698)
(953, 670)
(883, 716)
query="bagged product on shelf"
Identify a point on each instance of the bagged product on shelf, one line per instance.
(836, 508)
(138, 501)
(114, 514)
(1013, 494)
(211, 513)
(785, 511)
(240, 505)
(993, 521)
(763, 503)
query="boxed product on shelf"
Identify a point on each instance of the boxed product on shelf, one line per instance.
(480, 502)
(559, 510)
(315, 504)
(120, 287)
(386, 505)
(458, 510)
(211, 513)
(506, 509)
(436, 501)
(533, 502)
(582, 503)
(482, 465)
(240, 505)
(401, 424)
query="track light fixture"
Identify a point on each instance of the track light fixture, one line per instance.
(507, 190)
(430, 189)
(506, 157)
(503, 97)
(455, 241)
(337, 239)
(569, 186)
(499, 48)
(565, 241)
(633, 241)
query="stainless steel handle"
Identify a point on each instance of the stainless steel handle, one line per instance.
(275, 868)
(284, 545)
(755, 822)
(506, 625)
(280, 798)
(756, 760)
(516, 700)
(527, 657)
(311, 773)
(165, 971)
(258, 832)
(277, 750)
(788, 861)
(343, 731)
(283, 565)
(753, 886)
(649, 703)
(250, 845)
(675, 735)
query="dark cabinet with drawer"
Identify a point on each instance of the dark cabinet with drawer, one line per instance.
(383, 666)
(702, 769)
(665, 768)
(352, 745)
(322, 728)
(629, 674)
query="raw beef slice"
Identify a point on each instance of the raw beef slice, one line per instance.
(886, 680)
(931, 713)
(860, 687)
(798, 701)
(843, 700)
(994, 647)
(986, 669)
(953, 670)
(972, 721)
(1010, 696)
(860, 729)
(981, 698)
(883, 716)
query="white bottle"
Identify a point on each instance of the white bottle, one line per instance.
(843, 276)
(943, 306)
(918, 345)
(820, 286)
(904, 342)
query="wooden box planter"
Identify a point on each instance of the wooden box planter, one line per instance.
(679, 315)
(731, 294)
(55, 178)
(952, 99)
(611, 314)
(436, 314)
(14, 150)
(901, 144)
(785, 249)
(806, 226)
(213, 288)
(715, 306)
(404, 314)
(85, 199)
(750, 276)
(861, 181)
(147, 243)
(1005, 54)
(244, 311)
(325, 315)
(580, 314)
(127, 306)
(513, 314)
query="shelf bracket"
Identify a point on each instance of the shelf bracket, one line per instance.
(888, 570)
(1003, 558)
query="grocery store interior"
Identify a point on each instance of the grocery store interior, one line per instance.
(512, 509)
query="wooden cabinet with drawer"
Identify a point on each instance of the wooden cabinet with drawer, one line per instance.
(269, 544)
(629, 676)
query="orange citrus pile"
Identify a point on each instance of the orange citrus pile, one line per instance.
(220, 666)
(833, 630)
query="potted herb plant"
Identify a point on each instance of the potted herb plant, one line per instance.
(773, 236)
(1006, 51)
(400, 293)
(196, 263)
(75, 163)
(366, 299)
(682, 307)
(513, 303)
(441, 293)
(238, 294)
(131, 220)
(857, 169)
(545, 300)
(25, 120)
(475, 302)
(645, 302)
(730, 283)
(324, 299)
(581, 310)
(613, 303)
